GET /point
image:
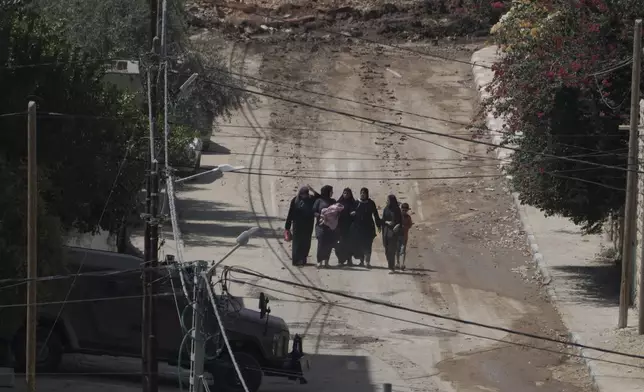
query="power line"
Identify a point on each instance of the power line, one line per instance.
(340, 98)
(432, 314)
(294, 88)
(82, 263)
(335, 130)
(407, 127)
(81, 301)
(418, 323)
(66, 116)
(80, 274)
(370, 105)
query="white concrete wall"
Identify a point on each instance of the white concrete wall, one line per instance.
(639, 254)
(101, 241)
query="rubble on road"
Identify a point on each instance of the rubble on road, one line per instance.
(401, 20)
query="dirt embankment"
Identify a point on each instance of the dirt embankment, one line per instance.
(399, 20)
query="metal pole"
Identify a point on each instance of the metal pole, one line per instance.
(32, 247)
(148, 343)
(630, 230)
(197, 352)
(164, 53)
(145, 277)
(153, 363)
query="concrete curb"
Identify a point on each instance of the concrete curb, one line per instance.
(483, 76)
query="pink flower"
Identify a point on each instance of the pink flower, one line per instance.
(540, 114)
(498, 5)
(575, 66)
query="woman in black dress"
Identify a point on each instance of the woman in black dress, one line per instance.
(301, 218)
(343, 249)
(363, 227)
(324, 234)
(391, 226)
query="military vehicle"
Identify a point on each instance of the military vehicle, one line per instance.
(102, 316)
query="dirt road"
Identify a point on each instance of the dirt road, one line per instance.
(467, 258)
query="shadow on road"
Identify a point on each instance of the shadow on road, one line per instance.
(332, 373)
(598, 283)
(215, 149)
(206, 223)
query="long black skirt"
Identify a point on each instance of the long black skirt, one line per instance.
(343, 248)
(326, 242)
(302, 233)
(361, 240)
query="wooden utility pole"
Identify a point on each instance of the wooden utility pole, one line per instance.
(630, 213)
(634, 133)
(32, 247)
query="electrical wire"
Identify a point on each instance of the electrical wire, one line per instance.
(390, 305)
(336, 130)
(81, 301)
(81, 274)
(186, 335)
(371, 178)
(295, 88)
(319, 93)
(82, 263)
(222, 330)
(42, 114)
(423, 324)
(406, 127)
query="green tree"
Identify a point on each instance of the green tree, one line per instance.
(120, 29)
(551, 88)
(82, 153)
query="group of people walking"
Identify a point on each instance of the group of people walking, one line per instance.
(347, 225)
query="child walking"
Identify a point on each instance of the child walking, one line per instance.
(407, 223)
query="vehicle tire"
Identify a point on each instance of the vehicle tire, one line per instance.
(48, 357)
(205, 146)
(250, 368)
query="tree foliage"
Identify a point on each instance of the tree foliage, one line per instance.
(84, 130)
(83, 153)
(551, 87)
(120, 29)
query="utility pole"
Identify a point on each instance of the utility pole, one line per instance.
(149, 331)
(32, 246)
(149, 344)
(634, 133)
(630, 214)
(197, 351)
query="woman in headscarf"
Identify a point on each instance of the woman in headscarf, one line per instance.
(301, 218)
(391, 223)
(343, 249)
(324, 234)
(363, 227)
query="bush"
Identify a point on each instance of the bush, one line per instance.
(550, 87)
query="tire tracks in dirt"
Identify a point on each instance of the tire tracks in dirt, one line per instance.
(390, 145)
(257, 156)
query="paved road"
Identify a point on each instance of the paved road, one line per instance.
(468, 258)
